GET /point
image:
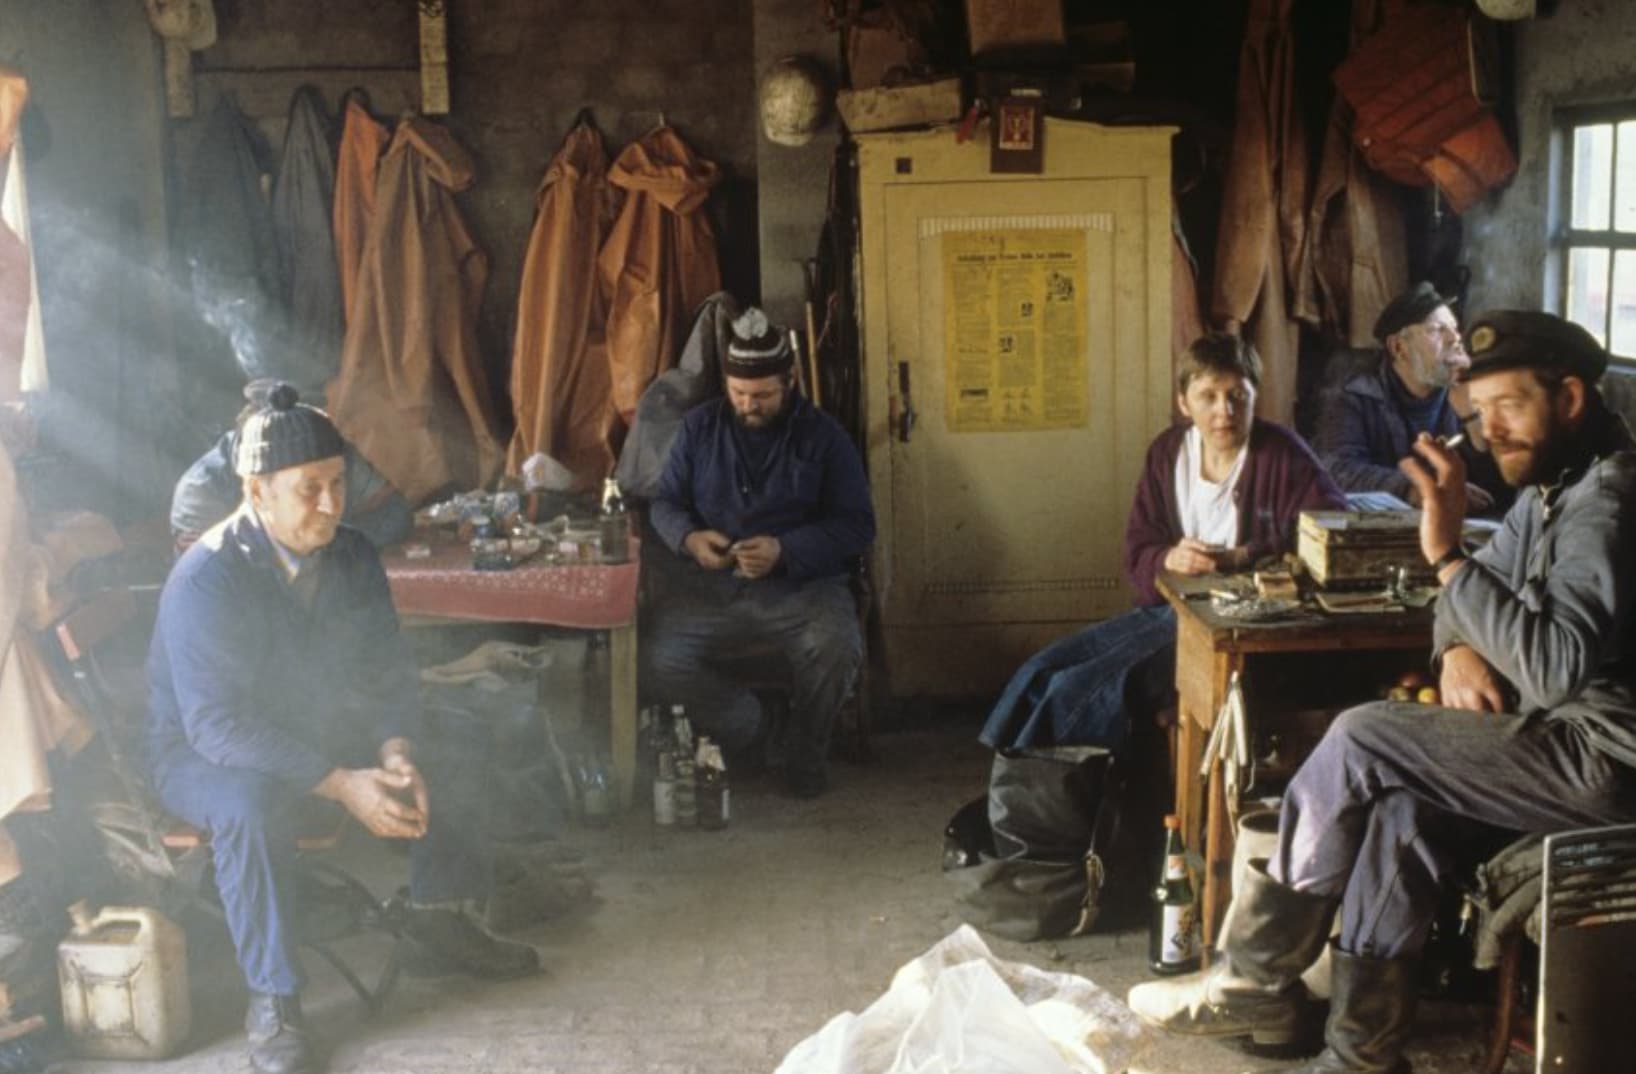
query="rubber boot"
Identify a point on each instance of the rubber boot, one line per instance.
(1370, 1015)
(1254, 986)
(278, 1036)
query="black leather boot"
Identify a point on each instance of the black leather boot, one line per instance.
(1254, 986)
(1370, 1015)
(278, 1036)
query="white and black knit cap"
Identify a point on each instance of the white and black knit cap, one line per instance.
(283, 433)
(757, 349)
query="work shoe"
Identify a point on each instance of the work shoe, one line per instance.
(1254, 987)
(278, 1035)
(1370, 1014)
(440, 942)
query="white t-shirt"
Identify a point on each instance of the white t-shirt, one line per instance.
(1208, 509)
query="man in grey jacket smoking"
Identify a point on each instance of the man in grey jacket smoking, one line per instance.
(1536, 644)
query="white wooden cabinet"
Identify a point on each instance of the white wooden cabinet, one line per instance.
(1029, 318)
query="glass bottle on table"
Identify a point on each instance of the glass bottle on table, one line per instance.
(613, 524)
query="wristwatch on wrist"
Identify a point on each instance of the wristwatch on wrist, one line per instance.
(1455, 554)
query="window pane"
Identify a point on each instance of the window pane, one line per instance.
(1593, 176)
(1624, 304)
(1588, 290)
(1624, 199)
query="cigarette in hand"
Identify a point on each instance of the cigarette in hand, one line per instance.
(1452, 442)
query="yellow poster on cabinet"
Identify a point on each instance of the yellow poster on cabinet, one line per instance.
(1014, 330)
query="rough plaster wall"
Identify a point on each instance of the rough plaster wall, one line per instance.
(793, 181)
(1582, 54)
(93, 139)
(520, 71)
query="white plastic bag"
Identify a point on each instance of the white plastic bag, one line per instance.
(959, 1010)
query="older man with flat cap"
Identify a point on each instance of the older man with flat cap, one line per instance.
(1371, 421)
(1536, 646)
(765, 504)
(277, 674)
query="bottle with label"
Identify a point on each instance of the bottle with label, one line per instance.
(664, 768)
(1173, 944)
(613, 524)
(687, 793)
(714, 797)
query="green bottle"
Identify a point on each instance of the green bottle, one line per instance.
(1173, 942)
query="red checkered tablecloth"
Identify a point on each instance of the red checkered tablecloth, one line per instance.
(593, 597)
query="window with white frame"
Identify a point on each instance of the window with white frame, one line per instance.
(1595, 236)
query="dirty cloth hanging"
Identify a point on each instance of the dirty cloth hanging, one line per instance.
(362, 142)
(302, 208)
(658, 263)
(237, 331)
(560, 384)
(412, 395)
(1263, 205)
(1354, 256)
(35, 719)
(22, 340)
(695, 378)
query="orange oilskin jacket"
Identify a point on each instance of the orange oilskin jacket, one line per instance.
(560, 384)
(659, 262)
(412, 395)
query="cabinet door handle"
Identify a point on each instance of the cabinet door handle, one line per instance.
(906, 416)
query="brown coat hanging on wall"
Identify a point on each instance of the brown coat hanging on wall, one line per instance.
(560, 384)
(1264, 204)
(362, 140)
(412, 395)
(659, 261)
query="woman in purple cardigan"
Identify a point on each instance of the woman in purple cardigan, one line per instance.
(1219, 492)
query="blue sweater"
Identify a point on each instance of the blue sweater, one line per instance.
(243, 675)
(808, 490)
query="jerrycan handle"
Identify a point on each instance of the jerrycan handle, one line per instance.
(84, 923)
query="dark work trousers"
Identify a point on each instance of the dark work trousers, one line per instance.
(250, 818)
(1082, 690)
(1375, 815)
(718, 620)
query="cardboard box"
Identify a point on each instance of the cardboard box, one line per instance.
(1003, 25)
(887, 108)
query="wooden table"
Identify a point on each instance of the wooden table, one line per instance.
(1210, 648)
(445, 587)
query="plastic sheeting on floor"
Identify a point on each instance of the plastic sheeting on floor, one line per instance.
(957, 1009)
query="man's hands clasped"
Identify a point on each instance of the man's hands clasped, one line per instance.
(390, 800)
(753, 557)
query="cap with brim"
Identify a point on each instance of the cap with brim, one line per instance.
(757, 348)
(285, 433)
(1526, 339)
(1411, 307)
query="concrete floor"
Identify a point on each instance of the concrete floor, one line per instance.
(716, 952)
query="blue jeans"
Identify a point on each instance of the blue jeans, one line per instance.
(250, 818)
(811, 626)
(1080, 690)
(1374, 816)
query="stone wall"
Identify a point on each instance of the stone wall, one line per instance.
(1580, 55)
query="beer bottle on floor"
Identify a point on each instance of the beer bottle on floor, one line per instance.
(1173, 943)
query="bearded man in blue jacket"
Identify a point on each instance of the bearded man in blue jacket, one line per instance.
(765, 505)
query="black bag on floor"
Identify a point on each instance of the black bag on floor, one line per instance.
(1035, 870)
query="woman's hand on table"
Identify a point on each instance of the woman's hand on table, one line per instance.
(1189, 556)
